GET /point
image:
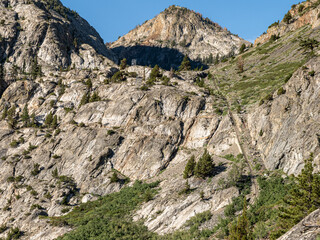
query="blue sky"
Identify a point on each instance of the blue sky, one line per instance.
(113, 18)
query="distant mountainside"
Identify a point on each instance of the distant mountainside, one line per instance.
(176, 32)
(47, 33)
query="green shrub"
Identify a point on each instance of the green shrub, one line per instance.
(123, 64)
(108, 217)
(287, 18)
(118, 77)
(281, 91)
(95, 97)
(114, 178)
(14, 233)
(311, 73)
(35, 170)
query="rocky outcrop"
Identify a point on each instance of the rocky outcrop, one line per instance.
(306, 13)
(142, 134)
(177, 31)
(48, 34)
(307, 229)
(286, 130)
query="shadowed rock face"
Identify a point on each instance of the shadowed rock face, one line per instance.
(164, 57)
(179, 29)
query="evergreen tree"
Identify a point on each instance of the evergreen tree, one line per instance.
(12, 116)
(114, 178)
(155, 73)
(25, 116)
(287, 18)
(185, 64)
(89, 83)
(189, 169)
(241, 229)
(54, 122)
(85, 99)
(35, 68)
(205, 166)
(242, 48)
(49, 119)
(95, 97)
(33, 122)
(123, 64)
(301, 200)
(309, 44)
(216, 61)
(5, 112)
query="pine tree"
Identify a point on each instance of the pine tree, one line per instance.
(216, 61)
(301, 200)
(123, 64)
(95, 97)
(33, 122)
(54, 122)
(25, 116)
(12, 116)
(189, 169)
(155, 73)
(185, 64)
(49, 119)
(89, 83)
(309, 44)
(242, 48)
(35, 68)
(241, 230)
(5, 112)
(114, 178)
(205, 166)
(85, 99)
(287, 18)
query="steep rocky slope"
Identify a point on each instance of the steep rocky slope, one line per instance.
(175, 32)
(64, 133)
(137, 133)
(48, 34)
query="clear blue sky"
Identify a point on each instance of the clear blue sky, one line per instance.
(113, 18)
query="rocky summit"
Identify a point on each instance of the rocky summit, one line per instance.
(175, 32)
(94, 150)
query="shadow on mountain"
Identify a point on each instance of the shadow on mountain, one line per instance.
(166, 58)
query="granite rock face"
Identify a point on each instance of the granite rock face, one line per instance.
(50, 35)
(143, 135)
(286, 130)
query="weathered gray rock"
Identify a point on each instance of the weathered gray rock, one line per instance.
(307, 229)
(290, 123)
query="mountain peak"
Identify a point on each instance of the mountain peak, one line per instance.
(180, 31)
